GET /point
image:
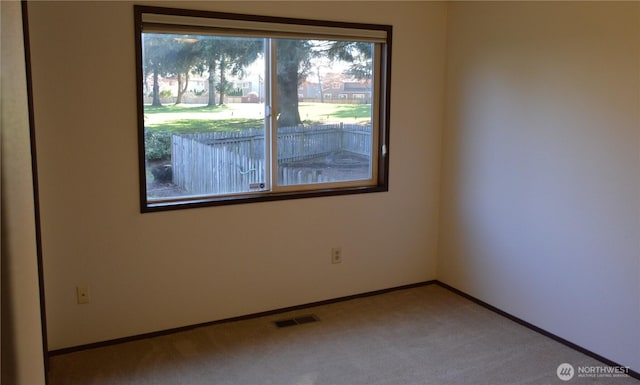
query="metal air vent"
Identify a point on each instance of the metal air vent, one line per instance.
(305, 319)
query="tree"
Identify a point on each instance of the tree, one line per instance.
(231, 56)
(236, 54)
(155, 60)
(181, 58)
(359, 54)
(294, 63)
(224, 86)
(169, 54)
(209, 52)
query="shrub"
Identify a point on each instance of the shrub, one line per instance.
(162, 173)
(157, 145)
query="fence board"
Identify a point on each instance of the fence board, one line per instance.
(231, 161)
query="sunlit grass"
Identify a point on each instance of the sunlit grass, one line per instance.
(237, 116)
(183, 108)
(329, 112)
(205, 125)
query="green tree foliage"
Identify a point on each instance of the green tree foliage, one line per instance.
(226, 56)
(155, 60)
(236, 54)
(359, 54)
(294, 63)
(180, 60)
(179, 55)
(210, 51)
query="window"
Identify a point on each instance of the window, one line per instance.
(232, 108)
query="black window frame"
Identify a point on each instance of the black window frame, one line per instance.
(383, 118)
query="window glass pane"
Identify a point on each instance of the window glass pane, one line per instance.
(238, 108)
(204, 131)
(324, 121)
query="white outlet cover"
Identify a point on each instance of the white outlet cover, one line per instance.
(82, 294)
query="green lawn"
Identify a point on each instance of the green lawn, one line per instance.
(183, 108)
(198, 118)
(202, 125)
(346, 113)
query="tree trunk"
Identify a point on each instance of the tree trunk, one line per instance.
(223, 81)
(212, 89)
(182, 90)
(320, 87)
(179, 96)
(156, 89)
(288, 98)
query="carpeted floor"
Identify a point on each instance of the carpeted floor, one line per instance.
(424, 335)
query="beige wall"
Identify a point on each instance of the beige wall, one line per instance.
(540, 178)
(164, 270)
(22, 356)
(542, 151)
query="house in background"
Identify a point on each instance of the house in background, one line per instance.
(243, 90)
(336, 88)
(513, 177)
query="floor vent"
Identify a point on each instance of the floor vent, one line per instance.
(305, 319)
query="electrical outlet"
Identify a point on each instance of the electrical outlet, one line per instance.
(82, 294)
(336, 255)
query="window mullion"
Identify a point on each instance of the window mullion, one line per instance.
(272, 103)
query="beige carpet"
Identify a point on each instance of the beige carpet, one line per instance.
(425, 335)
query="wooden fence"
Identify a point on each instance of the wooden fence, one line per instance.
(230, 162)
